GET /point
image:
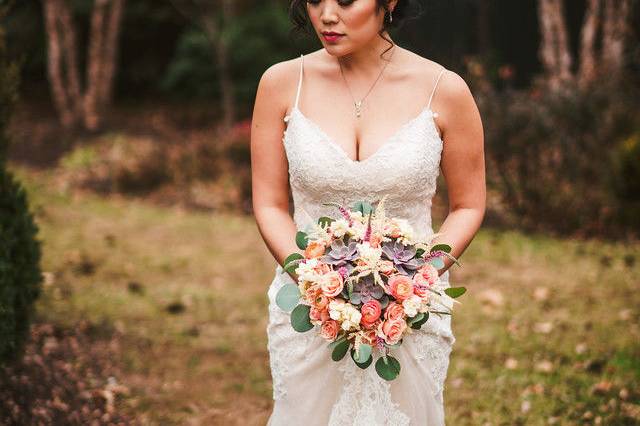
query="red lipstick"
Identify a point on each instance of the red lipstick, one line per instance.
(331, 36)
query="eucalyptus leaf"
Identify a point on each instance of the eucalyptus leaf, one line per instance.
(336, 342)
(455, 291)
(302, 240)
(300, 318)
(443, 247)
(362, 206)
(362, 365)
(288, 297)
(388, 370)
(416, 318)
(416, 325)
(291, 262)
(365, 353)
(340, 350)
(437, 262)
(419, 252)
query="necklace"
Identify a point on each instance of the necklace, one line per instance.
(358, 104)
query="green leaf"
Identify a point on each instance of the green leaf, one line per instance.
(419, 252)
(388, 370)
(365, 353)
(324, 220)
(288, 297)
(437, 262)
(416, 318)
(302, 240)
(340, 350)
(300, 318)
(362, 365)
(362, 206)
(336, 342)
(455, 291)
(444, 247)
(417, 324)
(290, 263)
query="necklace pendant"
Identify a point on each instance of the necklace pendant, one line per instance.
(358, 106)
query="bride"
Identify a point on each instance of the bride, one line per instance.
(357, 119)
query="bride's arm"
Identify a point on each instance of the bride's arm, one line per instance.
(269, 167)
(462, 163)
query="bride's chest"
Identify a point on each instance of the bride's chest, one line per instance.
(408, 162)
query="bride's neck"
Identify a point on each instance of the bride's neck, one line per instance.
(369, 57)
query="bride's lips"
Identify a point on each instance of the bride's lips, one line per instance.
(331, 36)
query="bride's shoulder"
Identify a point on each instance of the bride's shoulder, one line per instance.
(451, 87)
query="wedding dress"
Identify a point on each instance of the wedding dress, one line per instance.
(309, 388)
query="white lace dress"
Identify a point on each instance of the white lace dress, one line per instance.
(309, 388)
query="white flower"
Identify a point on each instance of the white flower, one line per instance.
(305, 270)
(411, 305)
(371, 255)
(406, 230)
(339, 227)
(319, 233)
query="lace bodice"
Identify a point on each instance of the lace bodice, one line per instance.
(406, 167)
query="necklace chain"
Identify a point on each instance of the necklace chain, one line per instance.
(358, 104)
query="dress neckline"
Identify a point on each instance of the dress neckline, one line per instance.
(388, 142)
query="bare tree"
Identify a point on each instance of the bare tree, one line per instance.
(215, 17)
(608, 18)
(75, 105)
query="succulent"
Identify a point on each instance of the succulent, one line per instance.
(403, 257)
(341, 254)
(364, 290)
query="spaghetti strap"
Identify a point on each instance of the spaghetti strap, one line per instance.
(299, 80)
(435, 86)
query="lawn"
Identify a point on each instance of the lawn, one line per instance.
(548, 332)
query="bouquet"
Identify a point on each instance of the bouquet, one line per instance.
(365, 283)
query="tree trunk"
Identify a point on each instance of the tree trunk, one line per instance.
(588, 59)
(554, 47)
(615, 29)
(73, 105)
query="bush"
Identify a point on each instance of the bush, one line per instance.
(565, 162)
(20, 275)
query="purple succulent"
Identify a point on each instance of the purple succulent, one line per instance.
(340, 254)
(402, 257)
(364, 290)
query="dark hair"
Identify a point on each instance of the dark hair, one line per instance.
(404, 11)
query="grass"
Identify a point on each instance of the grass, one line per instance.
(547, 334)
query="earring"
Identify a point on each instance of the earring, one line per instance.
(390, 16)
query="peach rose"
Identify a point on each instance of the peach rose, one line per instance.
(321, 301)
(370, 312)
(331, 283)
(311, 293)
(375, 240)
(421, 286)
(392, 229)
(400, 286)
(386, 267)
(392, 330)
(321, 268)
(314, 249)
(318, 314)
(394, 311)
(329, 329)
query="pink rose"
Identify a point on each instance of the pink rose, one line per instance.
(400, 286)
(332, 283)
(392, 330)
(329, 329)
(394, 311)
(370, 313)
(318, 314)
(429, 273)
